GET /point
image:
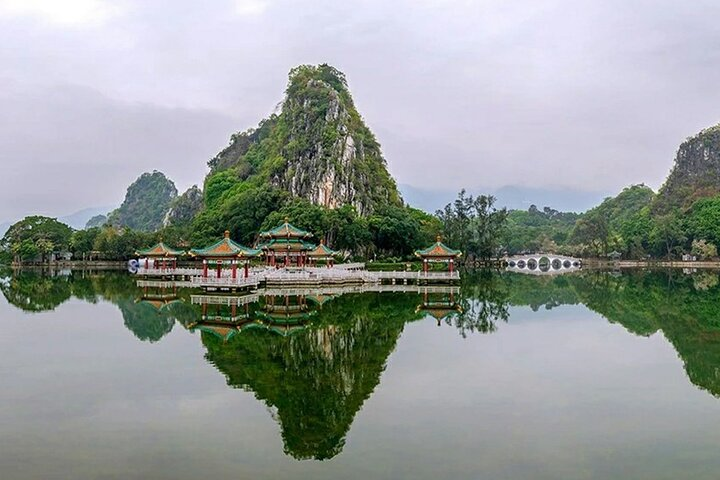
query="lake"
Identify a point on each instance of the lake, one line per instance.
(594, 375)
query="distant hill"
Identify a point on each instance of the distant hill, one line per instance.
(79, 219)
(511, 197)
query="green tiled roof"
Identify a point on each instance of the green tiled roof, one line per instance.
(438, 249)
(285, 244)
(286, 230)
(225, 248)
(160, 250)
(322, 251)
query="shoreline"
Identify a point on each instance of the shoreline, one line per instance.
(600, 264)
(592, 264)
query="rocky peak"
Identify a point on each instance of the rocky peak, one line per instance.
(696, 173)
(184, 208)
(318, 147)
(146, 203)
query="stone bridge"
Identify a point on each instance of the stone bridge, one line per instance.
(542, 263)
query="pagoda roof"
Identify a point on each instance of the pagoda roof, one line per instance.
(322, 250)
(286, 230)
(222, 332)
(320, 299)
(286, 330)
(285, 244)
(438, 311)
(160, 250)
(438, 250)
(159, 304)
(225, 248)
(286, 318)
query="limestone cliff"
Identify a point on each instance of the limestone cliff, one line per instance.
(317, 148)
(184, 208)
(696, 173)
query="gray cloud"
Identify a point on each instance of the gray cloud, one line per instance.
(589, 94)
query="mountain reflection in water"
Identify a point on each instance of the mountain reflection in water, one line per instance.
(314, 358)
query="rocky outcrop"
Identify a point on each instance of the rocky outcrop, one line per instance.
(146, 203)
(184, 208)
(696, 173)
(317, 148)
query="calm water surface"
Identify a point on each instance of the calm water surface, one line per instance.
(587, 376)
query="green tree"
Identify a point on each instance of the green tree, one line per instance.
(36, 236)
(668, 235)
(82, 242)
(592, 230)
(703, 220)
(474, 225)
(395, 232)
(703, 249)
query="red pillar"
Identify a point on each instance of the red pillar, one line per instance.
(219, 268)
(205, 269)
(174, 263)
(425, 265)
(147, 264)
(247, 273)
(234, 270)
(234, 311)
(452, 264)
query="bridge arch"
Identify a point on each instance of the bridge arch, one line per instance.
(543, 263)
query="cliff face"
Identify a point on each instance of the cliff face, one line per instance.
(184, 208)
(317, 148)
(696, 173)
(146, 203)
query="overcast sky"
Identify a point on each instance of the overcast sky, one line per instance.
(591, 94)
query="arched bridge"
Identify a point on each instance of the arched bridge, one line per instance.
(543, 263)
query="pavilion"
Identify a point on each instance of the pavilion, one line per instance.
(292, 309)
(225, 251)
(160, 253)
(321, 252)
(285, 242)
(438, 252)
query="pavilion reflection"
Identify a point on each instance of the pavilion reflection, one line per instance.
(440, 304)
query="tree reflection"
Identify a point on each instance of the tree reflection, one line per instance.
(35, 292)
(43, 291)
(683, 307)
(483, 303)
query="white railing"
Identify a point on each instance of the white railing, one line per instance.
(221, 300)
(163, 284)
(157, 272)
(224, 281)
(417, 275)
(350, 266)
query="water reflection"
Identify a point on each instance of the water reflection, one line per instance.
(315, 356)
(314, 369)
